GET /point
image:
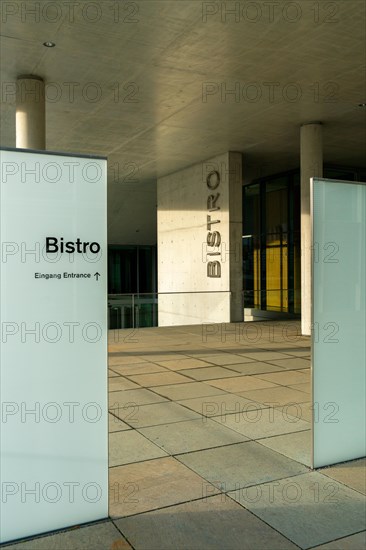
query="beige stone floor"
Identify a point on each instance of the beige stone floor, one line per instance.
(210, 447)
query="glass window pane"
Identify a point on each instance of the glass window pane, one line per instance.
(251, 246)
(276, 242)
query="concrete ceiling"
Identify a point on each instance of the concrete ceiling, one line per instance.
(145, 83)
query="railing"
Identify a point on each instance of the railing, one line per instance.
(141, 310)
(132, 310)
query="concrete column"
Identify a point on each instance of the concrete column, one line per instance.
(30, 113)
(200, 243)
(311, 161)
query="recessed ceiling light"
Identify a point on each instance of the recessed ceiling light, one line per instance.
(49, 44)
(362, 104)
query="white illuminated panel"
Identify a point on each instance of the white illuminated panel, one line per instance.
(339, 321)
(54, 455)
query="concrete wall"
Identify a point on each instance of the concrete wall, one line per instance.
(199, 277)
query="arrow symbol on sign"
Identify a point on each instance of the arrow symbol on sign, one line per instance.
(97, 275)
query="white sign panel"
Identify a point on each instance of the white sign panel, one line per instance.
(54, 437)
(339, 321)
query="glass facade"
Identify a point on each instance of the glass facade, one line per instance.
(131, 269)
(271, 239)
(132, 298)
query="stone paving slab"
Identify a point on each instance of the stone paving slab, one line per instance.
(165, 357)
(302, 411)
(158, 379)
(208, 373)
(306, 388)
(264, 355)
(285, 346)
(181, 364)
(260, 423)
(294, 445)
(353, 542)
(138, 368)
(279, 395)
(191, 390)
(112, 374)
(287, 377)
(142, 416)
(221, 405)
(116, 425)
(255, 367)
(292, 364)
(136, 488)
(130, 446)
(240, 465)
(141, 396)
(305, 353)
(93, 537)
(192, 435)
(117, 359)
(120, 383)
(223, 359)
(352, 474)
(241, 384)
(308, 509)
(214, 523)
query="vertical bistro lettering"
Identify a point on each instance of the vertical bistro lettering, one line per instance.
(213, 239)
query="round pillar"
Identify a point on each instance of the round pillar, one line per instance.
(30, 113)
(311, 166)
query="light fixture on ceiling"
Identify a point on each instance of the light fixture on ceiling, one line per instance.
(49, 44)
(362, 104)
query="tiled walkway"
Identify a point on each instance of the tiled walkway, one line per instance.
(210, 447)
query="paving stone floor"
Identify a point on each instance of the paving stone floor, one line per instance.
(210, 447)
